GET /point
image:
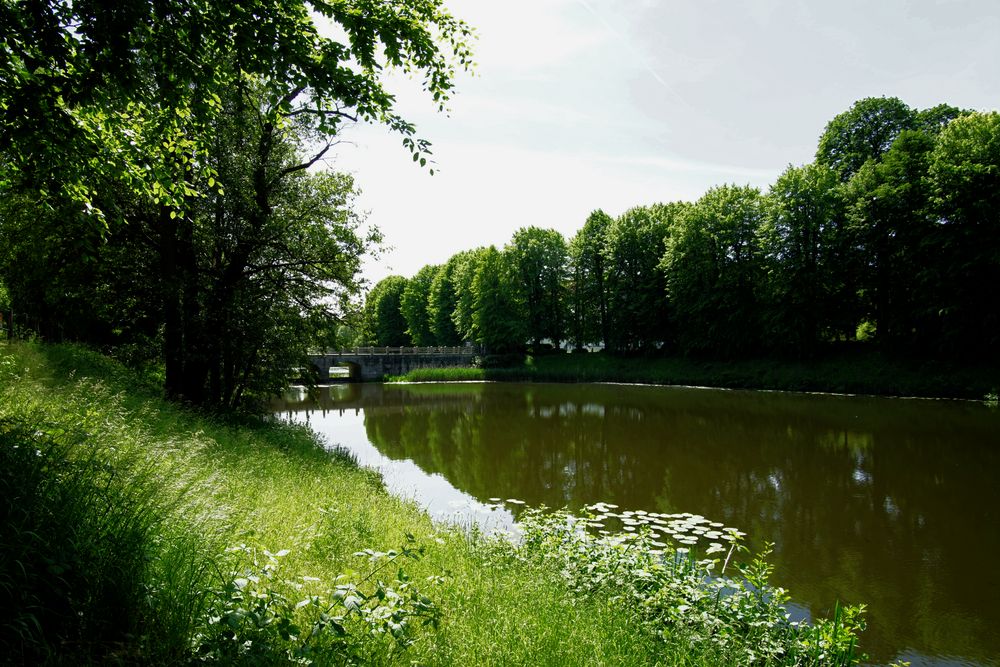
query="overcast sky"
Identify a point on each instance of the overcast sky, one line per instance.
(583, 104)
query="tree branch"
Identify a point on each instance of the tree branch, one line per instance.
(303, 165)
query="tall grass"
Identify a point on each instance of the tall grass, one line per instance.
(97, 558)
(135, 531)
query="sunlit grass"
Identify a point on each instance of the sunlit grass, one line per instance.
(454, 374)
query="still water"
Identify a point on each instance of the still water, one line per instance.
(891, 502)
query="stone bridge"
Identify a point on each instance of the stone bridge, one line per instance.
(374, 363)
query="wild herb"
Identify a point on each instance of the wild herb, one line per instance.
(253, 619)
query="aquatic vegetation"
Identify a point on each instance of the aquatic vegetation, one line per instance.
(662, 566)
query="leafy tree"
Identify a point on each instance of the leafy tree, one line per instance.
(463, 279)
(933, 120)
(278, 253)
(589, 289)
(414, 306)
(383, 320)
(247, 276)
(79, 77)
(863, 132)
(89, 286)
(129, 97)
(892, 226)
(810, 288)
(538, 259)
(498, 315)
(965, 180)
(442, 301)
(636, 304)
(714, 271)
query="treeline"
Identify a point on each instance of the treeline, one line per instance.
(891, 235)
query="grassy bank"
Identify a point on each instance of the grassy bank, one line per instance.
(848, 372)
(135, 531)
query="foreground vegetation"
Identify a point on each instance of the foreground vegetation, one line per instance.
(849, 371)
(137, 531)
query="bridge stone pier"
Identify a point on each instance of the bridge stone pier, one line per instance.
(374, 363)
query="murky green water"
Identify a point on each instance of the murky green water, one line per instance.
(890, 502)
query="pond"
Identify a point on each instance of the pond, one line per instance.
(891, 502)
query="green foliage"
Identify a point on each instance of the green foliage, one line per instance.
(724, 619)
(442, 301)
(714, 270)
(464, 277)
(88, 525)
(413, 304)
(250, 277)
(933, 120)
(251, 620)
(78, 78)
(589, 300)
(634, 246)
(383, 320)
(194, 123)
(863, 132)
(855, 369)
(498, 316)
(965, 174)
(538, 260)
(455, 374)
(892, 223)
(804, 238)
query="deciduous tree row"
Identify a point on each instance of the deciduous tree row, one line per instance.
(892, 234)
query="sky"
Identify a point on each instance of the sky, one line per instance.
(576, 105)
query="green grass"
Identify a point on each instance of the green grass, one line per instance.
(853, 371)
(135, 531)
(451, 374)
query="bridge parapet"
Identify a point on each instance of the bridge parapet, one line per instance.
(371, 351)
(374, 363)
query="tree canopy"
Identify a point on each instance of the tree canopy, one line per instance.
(383, 321)
(538, 261)
(166, 149)
(889, 238)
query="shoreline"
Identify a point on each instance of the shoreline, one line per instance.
(858, 375)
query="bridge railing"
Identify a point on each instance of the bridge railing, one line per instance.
(372, 351)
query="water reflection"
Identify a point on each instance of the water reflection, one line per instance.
(887, 502)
